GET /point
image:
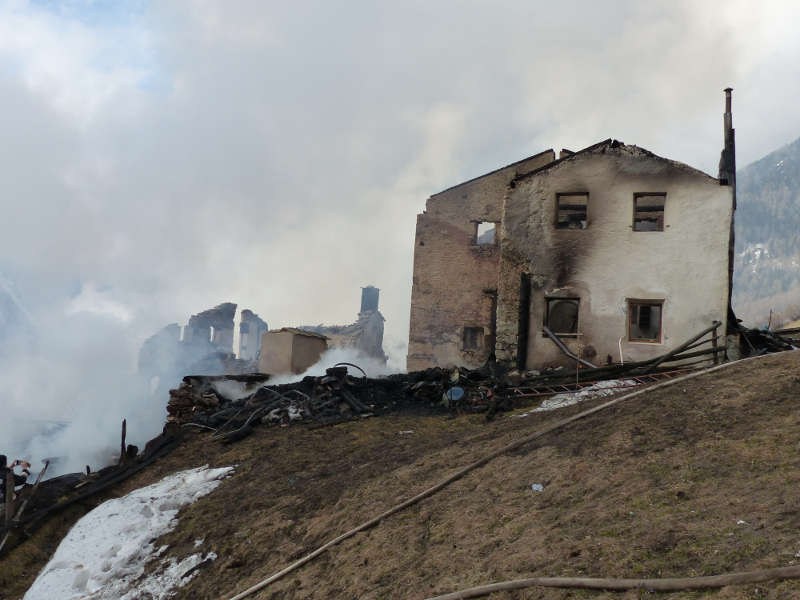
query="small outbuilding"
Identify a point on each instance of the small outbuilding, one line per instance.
(290, 350)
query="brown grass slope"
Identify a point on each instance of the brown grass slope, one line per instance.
(655, 486)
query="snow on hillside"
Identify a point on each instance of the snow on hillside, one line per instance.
(597, 390)
(103, 557)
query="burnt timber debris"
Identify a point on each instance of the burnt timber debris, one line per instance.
(48, 497)
(232, 406)
(337, 396)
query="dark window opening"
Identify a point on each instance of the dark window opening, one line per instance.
(648, 212)
(572, 210)
(644, 322)
(473, 338)
(485, 233)
(561, 315)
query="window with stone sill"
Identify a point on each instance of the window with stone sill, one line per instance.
(644, 320)
(485, 233)
(561, 316)
(648, 212)
(572, 210)
(473, 338)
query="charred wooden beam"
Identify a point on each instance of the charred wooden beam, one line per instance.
(561, 346)
(524, 320)
(687, 343)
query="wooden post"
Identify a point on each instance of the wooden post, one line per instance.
(9, 496)
(714, 344)
(683, 346)
(122, 443)
(524, 320)
(33, 491)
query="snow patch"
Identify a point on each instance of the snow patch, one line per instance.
(599, 389)
(171, 573)
(105, 552)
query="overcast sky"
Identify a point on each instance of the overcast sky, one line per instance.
(158, 158)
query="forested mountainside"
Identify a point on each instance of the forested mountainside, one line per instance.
(767, 266)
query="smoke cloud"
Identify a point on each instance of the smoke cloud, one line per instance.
(68, 385)
(161, 157)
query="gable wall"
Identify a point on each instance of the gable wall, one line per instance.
(452, 274)
(686, 265)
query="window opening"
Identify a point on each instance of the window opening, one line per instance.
(572, 211)
(648, 212)
(473, 337)
(561, 315)
(485, 233)
(644, 323)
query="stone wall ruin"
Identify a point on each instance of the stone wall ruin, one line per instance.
(365, 335)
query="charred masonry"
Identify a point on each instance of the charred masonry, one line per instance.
(205, 345)
(619, 252)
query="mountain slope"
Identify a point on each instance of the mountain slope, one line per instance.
(691, 479)
(653, 487)
(767, 266)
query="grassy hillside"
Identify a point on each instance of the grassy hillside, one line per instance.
(692, 479)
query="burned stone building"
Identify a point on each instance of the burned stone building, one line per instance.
(212, 329)
(290, 350)
(251, 328)
(620, 253)
(365, 335)
(204, 346)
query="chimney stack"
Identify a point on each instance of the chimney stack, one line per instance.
(727, 160)
(727, 176)
(369, 298)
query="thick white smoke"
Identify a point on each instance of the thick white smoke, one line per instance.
(65, 388)
(371, 366)
(70, 378)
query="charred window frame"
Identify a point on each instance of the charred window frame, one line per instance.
(572, 210)
(645, 319)
(648, 211)
(561, 315)
(472, 338)
(485, 233)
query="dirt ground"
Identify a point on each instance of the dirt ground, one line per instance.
(697, 478)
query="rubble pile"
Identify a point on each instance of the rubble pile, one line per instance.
(35, 504)
(763, 341)
(231, 409)
(231, 406)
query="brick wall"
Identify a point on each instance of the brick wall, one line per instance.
(455, 278)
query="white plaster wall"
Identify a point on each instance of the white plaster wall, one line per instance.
(686, 265)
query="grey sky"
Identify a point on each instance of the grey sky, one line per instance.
(159, 158)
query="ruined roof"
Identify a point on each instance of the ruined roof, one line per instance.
(527, 158)
(601, 147)
(296, 331)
